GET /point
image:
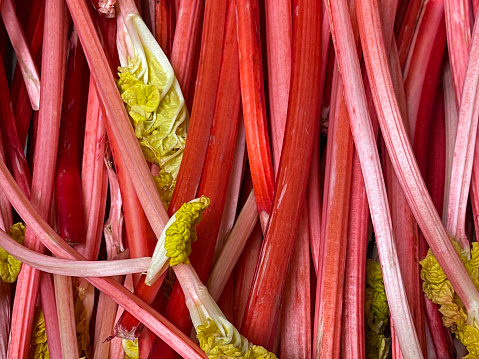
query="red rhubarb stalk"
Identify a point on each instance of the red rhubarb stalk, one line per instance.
(296, 309)
(278, 47)
(165, 25)
(262, 312)
(203, 104)
(254, 108)
(53, 64)
(68, 190)
(408, 27)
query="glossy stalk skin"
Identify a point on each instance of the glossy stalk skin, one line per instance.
(335, 211)
(68, 189)
(296, 310)
(53, 65)
(262, 312)
(408, 26)
(254, 108)
(203, 104)
(216, 172)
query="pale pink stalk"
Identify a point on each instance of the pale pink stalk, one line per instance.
(158, 324)
(186, 42)
(94, 177)
(234, 188)
(66, 316)
(374, 181)
(49, 307)
(233, 248)
(296, 309)
(72, 267)
(451, 129)
(53, 70)
(278, 25)
(461, 171)
(24, 57)
(408, 174)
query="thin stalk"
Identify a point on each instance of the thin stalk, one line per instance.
(49, 307)
(262, 313)
(296, 309)
(53, 69)
(254, 108)
(335, 211)
(233, 248)
(374, 182)
(5, 315)
(21, 101)
(185, 43)
(278, 50)
(408, 29)
(245, 272)
(203, 104)
(165, 25)
(25, 59)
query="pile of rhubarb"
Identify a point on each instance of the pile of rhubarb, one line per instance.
(239, 179)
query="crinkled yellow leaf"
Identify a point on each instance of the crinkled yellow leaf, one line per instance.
(233, 345)
(377, 311)
(438, 289)
(38, 341)
(181, 232)
(131, 348)
(10, 266)
(155, 104)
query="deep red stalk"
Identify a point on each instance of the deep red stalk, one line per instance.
(278, 48)
(216, 171)
(14, 154)
(185, 44)
(262, 312)
(422, 73)
(245, 271)
(21, 102)
(408, 27)
(296, 309)
(145, 342)
(203, 104)
(53, 64)
(227, 299)
(435, 180)
(26, 61)
(254, 108)
(334, 226)
(165, 25)
(68, 190)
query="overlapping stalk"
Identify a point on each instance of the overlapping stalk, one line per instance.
(262, 312)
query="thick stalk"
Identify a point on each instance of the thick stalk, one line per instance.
(262, 313)
(254, 108)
